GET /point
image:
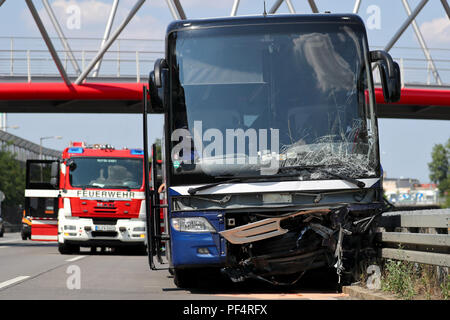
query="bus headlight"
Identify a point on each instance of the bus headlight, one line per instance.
(192, 224)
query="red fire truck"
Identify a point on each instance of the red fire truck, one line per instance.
(92, 197)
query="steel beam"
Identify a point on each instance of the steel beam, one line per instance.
(278, 3)
(47, 40)
(61, 35)
(356, 6)
(180, 10)
(234, 8)
(109, 24)
(275, 6)
(313, 6)
(173, 10)
(422, 43)
(446, 7)
(176, 14)
(109, 42)
(405, 25)
(290, 6)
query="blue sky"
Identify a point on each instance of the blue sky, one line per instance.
(405, 144)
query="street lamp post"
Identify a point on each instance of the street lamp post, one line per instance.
(40, 143)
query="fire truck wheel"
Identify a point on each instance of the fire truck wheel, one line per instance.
(64, 248)
(141, 250)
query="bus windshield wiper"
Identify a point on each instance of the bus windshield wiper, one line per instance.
(193, 191)
(354, 181)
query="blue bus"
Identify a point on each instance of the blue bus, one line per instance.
(270, 156)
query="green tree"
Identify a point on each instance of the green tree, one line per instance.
(439, 169)
(12, 178)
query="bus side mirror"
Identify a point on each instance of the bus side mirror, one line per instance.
(157, 87)
(389, 75)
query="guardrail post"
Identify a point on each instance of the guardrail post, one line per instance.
(83, 59)
(138, 73)
(12, 57)
(118, 57)
(28, 66)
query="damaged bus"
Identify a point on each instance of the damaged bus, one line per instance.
(271, 162)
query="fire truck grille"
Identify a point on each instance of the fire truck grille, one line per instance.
(111, 234)
(103, 210)
(108, 221)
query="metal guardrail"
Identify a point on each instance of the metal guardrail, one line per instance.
(29, 57)
(423, 236)
(415, 68)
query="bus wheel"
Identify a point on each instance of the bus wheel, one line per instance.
(183, 278)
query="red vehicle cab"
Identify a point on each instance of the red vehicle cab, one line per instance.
(100, 196)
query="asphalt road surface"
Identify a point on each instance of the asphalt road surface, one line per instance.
(36, 270)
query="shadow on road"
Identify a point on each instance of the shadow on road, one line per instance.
(314, 281)
(28, 244)
(112, 252)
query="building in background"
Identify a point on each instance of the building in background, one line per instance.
(408, 192)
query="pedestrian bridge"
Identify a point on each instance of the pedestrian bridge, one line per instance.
(106, 75)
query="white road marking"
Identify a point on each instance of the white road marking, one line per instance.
(75, 259)
(12, 281)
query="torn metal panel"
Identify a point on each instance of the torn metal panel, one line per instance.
(263, 229)
(281, 248)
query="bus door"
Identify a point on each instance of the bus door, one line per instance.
(41, 198)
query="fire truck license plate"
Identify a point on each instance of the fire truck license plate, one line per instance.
(105, 228)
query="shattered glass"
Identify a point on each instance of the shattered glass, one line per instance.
(298, 95)
(343, 153)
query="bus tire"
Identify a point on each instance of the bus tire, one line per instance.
(183, 278)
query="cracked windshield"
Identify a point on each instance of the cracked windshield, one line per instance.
(319, 116)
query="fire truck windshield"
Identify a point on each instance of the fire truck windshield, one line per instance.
(106, 173)
(298, 94)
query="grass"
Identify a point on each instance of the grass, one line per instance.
(409, 280)
(398, 278)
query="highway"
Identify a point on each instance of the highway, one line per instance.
(36, 270)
